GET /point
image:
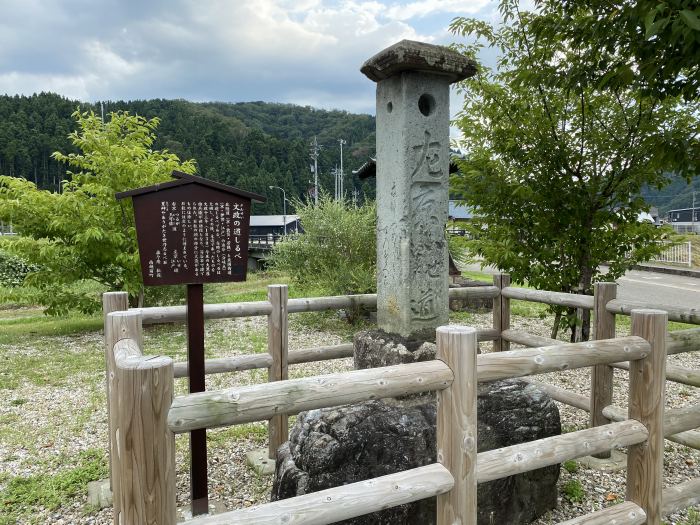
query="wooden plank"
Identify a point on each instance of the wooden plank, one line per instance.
(602, 375)
(681, 496)
(680, 341)
(317, 304)
(474, 292)
(178, 314)
(627, 513)
(516, 459)
(175, 314)
(571, 300)
(563, 396)
(277, 348)
(145, 445)
(222, 365)
(689, 438)
(456, 425)
(238, 363)
(111, 302)
(501, 312)
(526, 339)
(675, 373)
(530, 361)
(250, 403)
(646, 405)
(675, 313)
(344, 502)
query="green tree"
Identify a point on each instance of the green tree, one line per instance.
(649, 43)
(336, 254)
(554, 170)
(83, 233)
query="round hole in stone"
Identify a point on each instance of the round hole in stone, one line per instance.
(389, 107)
(426, 104)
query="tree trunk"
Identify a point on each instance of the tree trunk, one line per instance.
(555, 327)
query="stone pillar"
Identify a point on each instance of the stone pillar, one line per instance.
(413, 82)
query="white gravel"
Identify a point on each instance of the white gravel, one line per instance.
(72, 418)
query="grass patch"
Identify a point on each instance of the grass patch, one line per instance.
(24, 496)
(573, 491)
(256, 432)
(19, 330)
(570, 466)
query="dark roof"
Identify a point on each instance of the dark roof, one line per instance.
(369, 169)
(182, 179)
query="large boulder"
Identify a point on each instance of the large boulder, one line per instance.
(336, 446)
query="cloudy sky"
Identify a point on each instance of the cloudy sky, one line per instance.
(304, 52)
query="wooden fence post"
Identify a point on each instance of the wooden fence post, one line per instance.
(277, 331)
(501, 312)
(456, 425)
(111, 302)
(602, 375)
(145, 444)
(646, 405)
(119, 325)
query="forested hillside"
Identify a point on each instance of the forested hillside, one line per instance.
(248, 145)
(677, 195)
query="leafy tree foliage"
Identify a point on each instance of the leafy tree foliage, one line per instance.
(249, 145)
(83, 233)
(654, 45)
(336, 254)
(555, 170)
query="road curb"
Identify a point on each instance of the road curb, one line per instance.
(665, 269)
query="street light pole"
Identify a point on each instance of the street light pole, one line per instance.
(284, 207)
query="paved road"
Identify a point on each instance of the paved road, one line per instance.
(660, 288)
(653, 287)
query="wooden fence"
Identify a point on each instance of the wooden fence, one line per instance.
(144, 417)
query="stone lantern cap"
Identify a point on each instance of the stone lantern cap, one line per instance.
(409, 55)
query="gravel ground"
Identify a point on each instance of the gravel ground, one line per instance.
(72, 418)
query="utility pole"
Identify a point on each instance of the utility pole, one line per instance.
(315, 149)
(284, 207)
(342, 192)
(336, 173)
(692, 215)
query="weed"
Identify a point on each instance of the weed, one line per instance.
(570, 466)
(18, 402)
(573, 490)
(22, 496)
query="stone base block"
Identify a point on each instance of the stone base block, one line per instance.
(184, 514)
(336, 446)
(259, 462)
(99, 494)
(616, 461)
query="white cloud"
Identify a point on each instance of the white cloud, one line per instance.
(422, 8)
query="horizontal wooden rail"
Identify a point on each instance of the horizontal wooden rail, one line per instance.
(529, 361)
(557, 298)
(675, 373)
(680, 341)
(675, 313)
(172, 314)
(626, 513)
(516, 459)
(678, 497)
(260, 402)
(344, 502)
(685, 341)
(305, 355)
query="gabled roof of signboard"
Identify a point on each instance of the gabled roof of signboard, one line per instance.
(183, 179)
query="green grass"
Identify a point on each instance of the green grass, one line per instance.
(23, 496)
(570, 466)
(21, 329)
(573, 491)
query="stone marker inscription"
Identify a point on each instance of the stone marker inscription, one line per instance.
(192, 234)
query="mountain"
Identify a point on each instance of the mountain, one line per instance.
(248, 145)
(678, 194)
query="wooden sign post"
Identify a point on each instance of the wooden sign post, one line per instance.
(193, 231)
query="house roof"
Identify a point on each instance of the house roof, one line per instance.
(183, 179)
(271, 220)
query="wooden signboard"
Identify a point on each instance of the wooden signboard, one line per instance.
(193, 231)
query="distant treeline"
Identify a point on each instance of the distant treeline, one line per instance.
(248, 145)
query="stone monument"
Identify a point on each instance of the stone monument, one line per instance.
(346, 444)
(413, 156)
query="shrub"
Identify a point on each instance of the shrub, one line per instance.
(13, 269)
